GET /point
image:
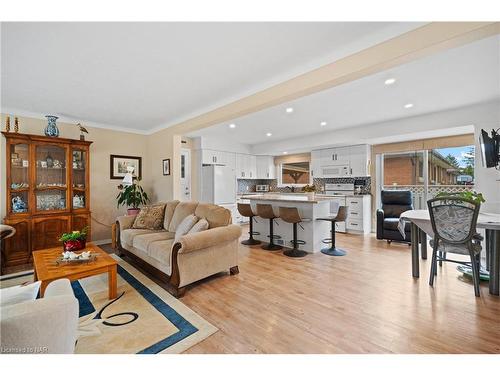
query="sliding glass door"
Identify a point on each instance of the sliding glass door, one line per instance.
(426, 172)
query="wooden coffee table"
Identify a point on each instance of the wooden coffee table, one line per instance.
(47, 270)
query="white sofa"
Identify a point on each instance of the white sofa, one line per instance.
(45, 325)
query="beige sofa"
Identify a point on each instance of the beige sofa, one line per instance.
(194, 256)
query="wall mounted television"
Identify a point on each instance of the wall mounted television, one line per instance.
(490, 149)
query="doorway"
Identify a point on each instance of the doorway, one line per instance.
(185, 175)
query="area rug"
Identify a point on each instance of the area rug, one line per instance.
(144, 318)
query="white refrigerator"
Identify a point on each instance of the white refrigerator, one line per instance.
(219, 186)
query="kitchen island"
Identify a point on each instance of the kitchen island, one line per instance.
(310, 207)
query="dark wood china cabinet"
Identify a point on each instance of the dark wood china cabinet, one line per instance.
(48, 193)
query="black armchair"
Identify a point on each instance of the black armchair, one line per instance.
(394, 203)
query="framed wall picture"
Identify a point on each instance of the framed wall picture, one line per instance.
(119, 163)
(166, 167)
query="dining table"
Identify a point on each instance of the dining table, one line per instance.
(421, 227)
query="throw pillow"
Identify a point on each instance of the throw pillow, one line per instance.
(200, 226)
(150, 217)
(185, 225)
(19, 293)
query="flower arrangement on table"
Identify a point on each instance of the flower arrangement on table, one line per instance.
(75, 240)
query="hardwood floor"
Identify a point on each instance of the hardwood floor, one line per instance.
(364, 302)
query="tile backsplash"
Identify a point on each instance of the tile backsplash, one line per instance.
(248, 185)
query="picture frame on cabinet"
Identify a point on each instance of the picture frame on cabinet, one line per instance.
(166, 167)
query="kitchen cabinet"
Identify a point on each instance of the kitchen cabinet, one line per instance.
(228, 159)
(335, 156)
(265, 167)
(252, 166)
(217, 157)
(358, 213)
(359, 218)
(246, 166)
(342, 162)
(208, 156)
(359, 159)
(240, 166)
(316, 164)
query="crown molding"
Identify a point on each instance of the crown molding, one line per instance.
(68, 119)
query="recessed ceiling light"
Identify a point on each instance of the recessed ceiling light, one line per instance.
(289, 110)
(269, 134)
(232, 126)
(409, 105)
(390, 81)
(322, 123)
(285, 152)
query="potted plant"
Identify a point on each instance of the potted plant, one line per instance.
(466, 194)
(132, 196)
(75, 240)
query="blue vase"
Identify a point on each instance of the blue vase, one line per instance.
(51, 130)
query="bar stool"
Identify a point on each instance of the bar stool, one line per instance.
(341, 216)
(246, 210)
(291, 215)
(266, 211)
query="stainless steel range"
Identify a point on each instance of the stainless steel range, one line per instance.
(339, 189)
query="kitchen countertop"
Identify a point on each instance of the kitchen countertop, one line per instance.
(322, 195)
(277, 197)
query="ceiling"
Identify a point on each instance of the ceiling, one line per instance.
(450, 79)
(142, 76)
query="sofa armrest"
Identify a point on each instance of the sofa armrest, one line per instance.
(211, 237)
(380, 224)
(46, 325)
(61, 287)
(126, 221)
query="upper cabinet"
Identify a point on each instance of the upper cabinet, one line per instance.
(265, 167)
(335, 156)
(360, 159)
(351, 161)
(316, 164)
(218, 157)
(246, 166)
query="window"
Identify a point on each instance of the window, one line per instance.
(428, 172)
(297, 173)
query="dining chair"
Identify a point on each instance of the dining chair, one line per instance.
(454, 222)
